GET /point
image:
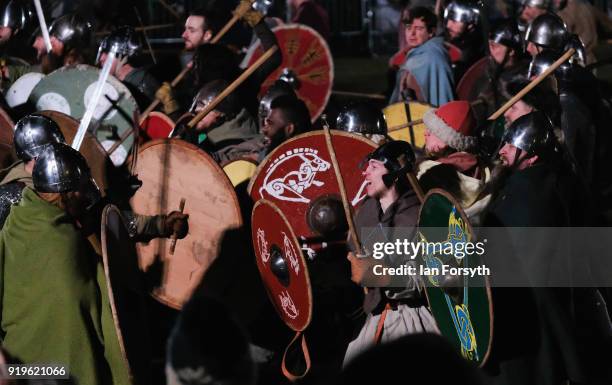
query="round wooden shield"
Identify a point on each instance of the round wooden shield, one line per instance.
(398, 115)
(300, 170)
(157, 125)
(281, 264)
(467, 88)
(454, 52)
(69, 90)
(7, 128)
(92, 151)
(125, 288)
(240, 170)
(171, 170)
(19, 92)
(464, 313)
(307, 58)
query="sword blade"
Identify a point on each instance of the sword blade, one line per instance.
(43, 25)
(93, 103)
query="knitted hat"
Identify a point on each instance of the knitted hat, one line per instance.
(453, 123)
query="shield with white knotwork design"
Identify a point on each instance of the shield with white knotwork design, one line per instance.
(300, 170)
(307, 64)
(461, 304)
(281, 265)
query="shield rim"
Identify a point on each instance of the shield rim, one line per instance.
(263, 164)
(226, 180)
(105, 213)
(447, 195)
(251, 51)
(262, 202)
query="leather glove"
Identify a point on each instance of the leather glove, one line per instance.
(166, 97)
(249, 15)
(176, 223)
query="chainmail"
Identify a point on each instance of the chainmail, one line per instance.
(130, 222)
(10, 194)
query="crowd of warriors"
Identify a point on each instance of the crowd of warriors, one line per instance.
(542, 163)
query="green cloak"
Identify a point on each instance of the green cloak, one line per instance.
(53, 296)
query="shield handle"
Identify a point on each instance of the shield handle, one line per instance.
(291, 376)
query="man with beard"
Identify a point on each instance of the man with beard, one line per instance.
(506, 61)
(200, 27)
(287, 118)
(565, 324)
(463, 30)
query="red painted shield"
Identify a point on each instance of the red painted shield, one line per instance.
(467, 86)
(453, 52)
(300, 170)
(307, 56)
(281, 265)
(157, 125)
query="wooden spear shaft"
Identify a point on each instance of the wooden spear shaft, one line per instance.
(345, 202)
(531, 85)
(235, 84)
(406, 125)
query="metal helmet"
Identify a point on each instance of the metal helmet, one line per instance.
(16, 14)
(262, 6)
(576, 43)
(59, 168)
(532, 133)
(542, 61)
(33, 133)
(362, 118)
(277, 89)
(230, 105)
(542, 4)
(125, 39)
(549, 31)
(464, 11)
(507, 33)
(72, 30)
(397, 156)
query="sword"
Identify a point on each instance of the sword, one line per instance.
(93, 103)
(43, 25)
